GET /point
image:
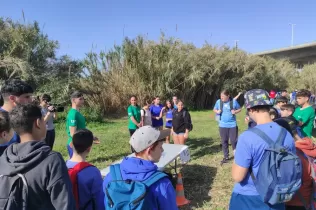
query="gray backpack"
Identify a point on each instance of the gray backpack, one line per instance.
(13, 192)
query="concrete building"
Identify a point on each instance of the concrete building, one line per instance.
(299, 54)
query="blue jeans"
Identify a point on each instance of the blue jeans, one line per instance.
(70, 150)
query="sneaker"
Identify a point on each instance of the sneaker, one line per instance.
(225, 160)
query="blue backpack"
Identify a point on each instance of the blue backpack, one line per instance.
(280, 171)
(128, 194)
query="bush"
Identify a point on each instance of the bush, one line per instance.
(197, 75)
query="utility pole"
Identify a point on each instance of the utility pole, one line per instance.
(236, 44)
(292, 25)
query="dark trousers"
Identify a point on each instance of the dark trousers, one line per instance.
(50, 138)
(226, 134)
(131, 132)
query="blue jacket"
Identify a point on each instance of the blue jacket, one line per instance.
(139, 170)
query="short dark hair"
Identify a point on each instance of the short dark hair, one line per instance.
(303, 93)
(4, 122)
(82, 140)
(225, 92)
(22, 117)
(264, 108)
(46, 97)
(273, 112)
(284, 91)
(15, 87)
(289, 107)
(76, 94)
(281, 99)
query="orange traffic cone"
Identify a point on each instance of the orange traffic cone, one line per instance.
(181, 200)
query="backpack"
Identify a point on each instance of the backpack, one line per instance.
(128, 194)
(221, 105)
(312, 164)
(13, 192)
(73, 174)
(280, 171)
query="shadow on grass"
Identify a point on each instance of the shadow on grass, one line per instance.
(198, 180)
(110, 158)
(200, 147)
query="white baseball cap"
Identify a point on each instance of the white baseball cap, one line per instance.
(146, 136)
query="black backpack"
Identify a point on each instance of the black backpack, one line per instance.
(13, 192)
(221, 105)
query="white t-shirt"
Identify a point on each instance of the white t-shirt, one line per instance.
(147, 116)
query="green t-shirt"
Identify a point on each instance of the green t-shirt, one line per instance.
(133, 111)
(74, 119)
(306, 116)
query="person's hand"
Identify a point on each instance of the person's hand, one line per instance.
(50, 109)
(300, 123)
(96, 140)
(157, 118)
(186, 135)
(163, 108)
(247, 119)
(233, 111)
(139, 125)
(219, 111)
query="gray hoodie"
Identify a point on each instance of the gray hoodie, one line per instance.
(45, 172)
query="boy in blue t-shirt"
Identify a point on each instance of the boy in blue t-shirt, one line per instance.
(89, 179)
(250, 150)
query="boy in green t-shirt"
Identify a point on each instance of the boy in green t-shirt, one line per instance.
(305, 113)
(75, 120)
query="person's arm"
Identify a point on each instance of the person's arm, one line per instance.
(48, 116)
(72, 120)
(162, 112)
(167, 198)
(217, 108)
(131, 116)
(236, 97)
(186, 124)
(59, 185)
(237, 107)
(97, 191)
(242, 160)
(142, 114)
(55, 116)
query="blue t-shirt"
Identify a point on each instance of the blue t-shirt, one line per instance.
(249, 152)
(15, 138)
(169, 115)
(228, 120)
(155, 112)
(89, 185)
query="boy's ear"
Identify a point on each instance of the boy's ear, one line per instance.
(38, 123)
(89, 149)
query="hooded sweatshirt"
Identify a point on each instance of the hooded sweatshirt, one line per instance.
(45, 171)
(137, 169)
(307, 147)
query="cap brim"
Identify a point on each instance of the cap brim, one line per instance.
(163, 134)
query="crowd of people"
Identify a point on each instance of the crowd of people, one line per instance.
(272, 167)
(279, 133)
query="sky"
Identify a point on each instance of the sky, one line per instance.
(82, 26)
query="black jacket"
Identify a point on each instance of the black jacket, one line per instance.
(180, 121)
(45, 171)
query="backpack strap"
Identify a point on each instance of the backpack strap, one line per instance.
(115, 171)
(281, 137)
(154, 178)
(73, 172)
(231, 104)
(263, 136)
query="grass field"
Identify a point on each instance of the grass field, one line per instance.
(207, 184)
